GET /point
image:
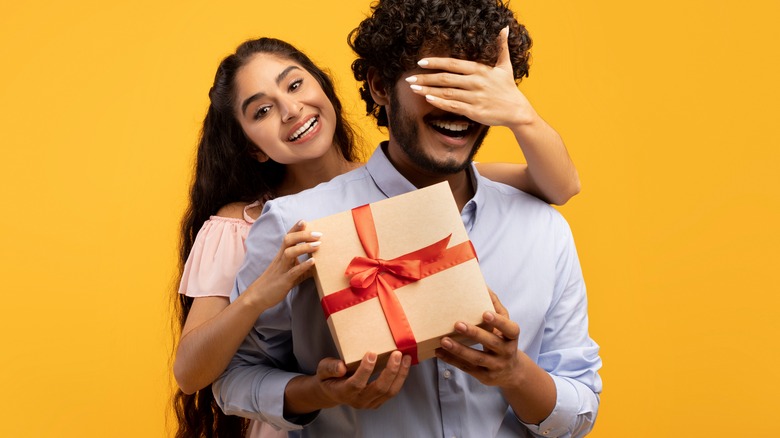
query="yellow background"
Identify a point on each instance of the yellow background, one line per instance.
(668, 108)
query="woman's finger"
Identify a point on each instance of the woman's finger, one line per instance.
(504, 58)
(451, 65)
(444, 80)
(300, 225)
(296, 251)
(301, 271)
(296, 237)
(453, 94)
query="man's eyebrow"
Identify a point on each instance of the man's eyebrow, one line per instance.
(256, 96)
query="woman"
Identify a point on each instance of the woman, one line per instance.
(274, 127)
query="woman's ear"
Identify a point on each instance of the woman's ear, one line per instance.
(258, 155)
(377, 87)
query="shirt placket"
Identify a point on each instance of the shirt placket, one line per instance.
(449, 400)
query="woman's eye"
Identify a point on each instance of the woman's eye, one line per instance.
(296, 84)
(262, 111)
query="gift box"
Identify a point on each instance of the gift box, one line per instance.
(397, 274)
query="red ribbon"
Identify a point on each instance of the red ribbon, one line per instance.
(372, 277)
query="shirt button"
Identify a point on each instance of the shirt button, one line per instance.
(545, 432)
(447, 374)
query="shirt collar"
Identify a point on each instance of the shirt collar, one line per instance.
(479, 191)
(385, 175)
(470, 210)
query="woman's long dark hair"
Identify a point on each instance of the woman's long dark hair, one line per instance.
(226, 171)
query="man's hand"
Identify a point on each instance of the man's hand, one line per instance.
(331, 386)
(484, 94)
(499, 363)
(528, 388)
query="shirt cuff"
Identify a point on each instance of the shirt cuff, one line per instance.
(276, 383)
(563, 416)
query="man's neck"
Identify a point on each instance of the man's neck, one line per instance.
(460, 182)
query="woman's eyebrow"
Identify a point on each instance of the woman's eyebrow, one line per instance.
(279, 79)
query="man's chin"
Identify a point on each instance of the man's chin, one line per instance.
(450, 166)
(447, 165)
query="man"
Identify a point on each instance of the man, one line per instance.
(536, 373)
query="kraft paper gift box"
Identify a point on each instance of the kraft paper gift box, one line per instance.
(419, 234)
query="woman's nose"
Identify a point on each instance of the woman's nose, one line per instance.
(291, 109)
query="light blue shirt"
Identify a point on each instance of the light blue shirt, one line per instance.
(527, 256)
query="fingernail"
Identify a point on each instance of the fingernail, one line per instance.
(311, 260)
(489, 316)
(411, 79)
(416, 87)
(397, 360)
(316, 234)
(446, 343)
(429, 98)
(299, 223)
(317, 243)
(407, 361)
(422, 62)
(371, 357)
(460, 327)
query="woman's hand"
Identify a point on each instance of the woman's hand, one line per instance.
(484, 94)
(489, 96)
(285, 272)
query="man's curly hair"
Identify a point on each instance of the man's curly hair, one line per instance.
(399, 32)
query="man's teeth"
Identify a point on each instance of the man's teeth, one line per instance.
(304, 129)
(452, 126)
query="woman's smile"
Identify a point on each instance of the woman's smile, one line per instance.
(305, 130)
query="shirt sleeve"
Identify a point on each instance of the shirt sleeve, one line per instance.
(215, 257)
(568, 353)
(253, 384)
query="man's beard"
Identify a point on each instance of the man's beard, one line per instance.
(406, 133)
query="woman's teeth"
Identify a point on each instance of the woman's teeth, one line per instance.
(300, 132)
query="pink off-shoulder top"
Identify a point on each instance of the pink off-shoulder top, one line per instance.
(216, 256)
(211, 268)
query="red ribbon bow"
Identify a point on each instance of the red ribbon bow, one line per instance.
(372, 277)
(364, 270)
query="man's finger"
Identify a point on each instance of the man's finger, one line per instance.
(330, 368)
(500, 309)
(390, 379)
(467, 357)
(509, 329)
(400, 378)
(453, 360)
(359, 380)
(478, 372)
(489, 340)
